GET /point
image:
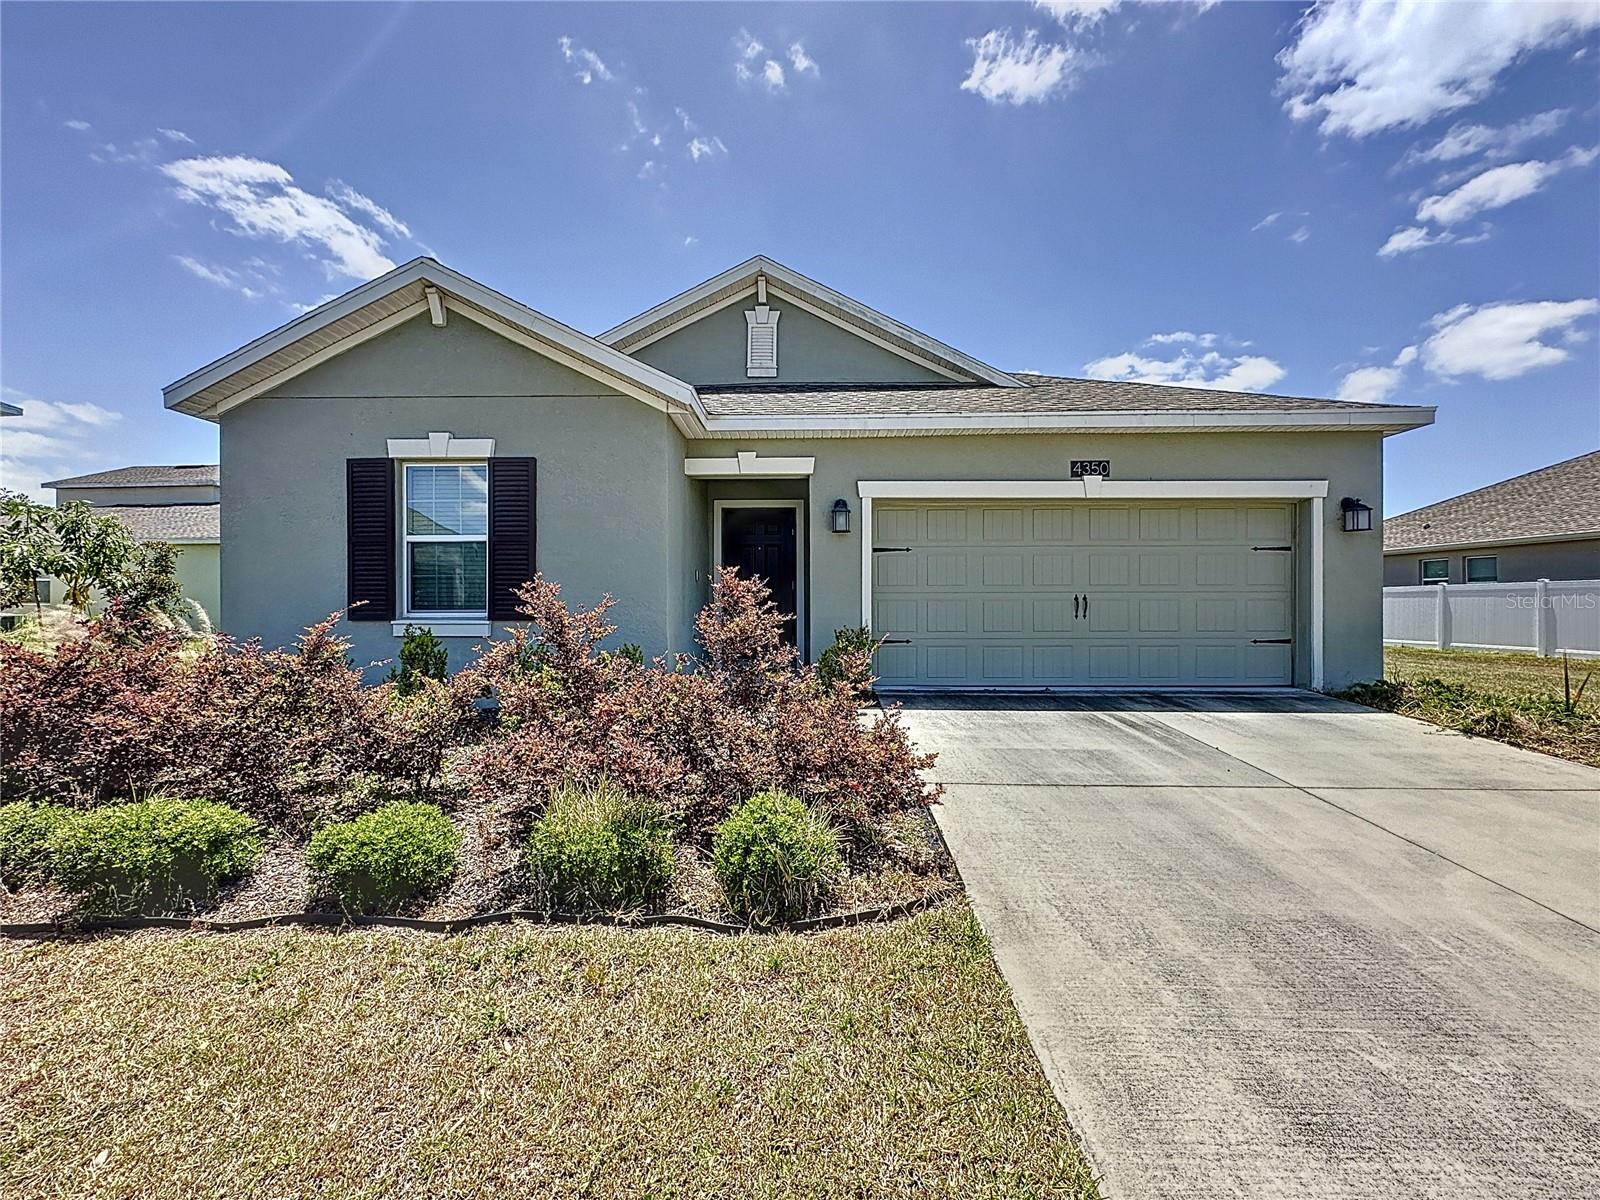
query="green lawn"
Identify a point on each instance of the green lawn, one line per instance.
(524, 1061)
(1489, 671)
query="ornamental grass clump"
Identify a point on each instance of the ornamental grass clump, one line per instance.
(387, 857)
(596, 847)
(775, 858)
(153, 856)
(25, 831)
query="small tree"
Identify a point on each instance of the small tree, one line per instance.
(88, 553)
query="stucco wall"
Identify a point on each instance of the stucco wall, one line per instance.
(1352, 463)
(1518, 564)
(810, 350)
(200, 575)
(610, 471)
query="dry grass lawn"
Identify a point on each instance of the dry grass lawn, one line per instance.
(524, 1061)
(1492, 671)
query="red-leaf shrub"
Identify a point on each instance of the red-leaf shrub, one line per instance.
(699, 742)
(130, 709)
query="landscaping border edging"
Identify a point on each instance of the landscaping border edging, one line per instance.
(338, 920)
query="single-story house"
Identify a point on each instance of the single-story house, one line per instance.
(418, 447)
(1542, 525)
(180, 505)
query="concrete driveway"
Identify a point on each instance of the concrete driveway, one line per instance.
(1283, 946)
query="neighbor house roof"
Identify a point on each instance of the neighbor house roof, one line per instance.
(187, 474)
(785, 282)
(168, 522)
(9, 410)
(1555, 503)
(1049, 400)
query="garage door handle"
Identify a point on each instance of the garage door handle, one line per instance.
(1086, 605)
(894, 641)
(1270, 641)
(1282, 548)
(1075, 613)
(891, 549)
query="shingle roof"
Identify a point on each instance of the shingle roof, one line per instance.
(1558, 501)
(168, 522)
(201, 474)
(1044, 394)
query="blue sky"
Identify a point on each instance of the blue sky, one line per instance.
(1366, 199)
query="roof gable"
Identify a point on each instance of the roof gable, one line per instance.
(420, 286)
(738, 283)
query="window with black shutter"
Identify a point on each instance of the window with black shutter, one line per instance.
(369, 529)
(512, 532)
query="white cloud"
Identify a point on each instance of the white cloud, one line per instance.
(704, 147)
(263, 203)
(1076, 14)
(1359, 67)
(1265, 221)
(802, 62)
(1181, 336)
(1406, 357)
(747, 45)
(1008, 70)
(688, 125)
(1463, 140)
(586, 64)
(691, 240)
(49, 440)
(224, 277)
(772, 75)
(1212, 370)
(1369, 385)
(1502, 341)
(1410, 238)
(354, 201)
(75, 123)
(1301, 234)
(175, 135)
(1499, 186)
(317, 303)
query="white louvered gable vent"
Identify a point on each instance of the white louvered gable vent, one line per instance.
(761, 336)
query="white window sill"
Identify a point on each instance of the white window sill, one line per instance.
(443, 628)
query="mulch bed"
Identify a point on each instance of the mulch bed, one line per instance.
(912, 871)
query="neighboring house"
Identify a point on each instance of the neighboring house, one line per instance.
(423, 444)
(9, 410)
(180, 505)
(1542, 525)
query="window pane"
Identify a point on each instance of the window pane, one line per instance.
(447, 499)
(1483, 570)
(1435, 569)
(448, 577)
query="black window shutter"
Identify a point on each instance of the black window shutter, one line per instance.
(369, 528)
(512, 531)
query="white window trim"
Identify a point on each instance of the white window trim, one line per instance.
(801, 580)
(1314, 491)
(450, 623)
(441, 445)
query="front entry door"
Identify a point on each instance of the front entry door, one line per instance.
(760, 542)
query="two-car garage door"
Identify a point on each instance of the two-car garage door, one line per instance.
(1083, 594)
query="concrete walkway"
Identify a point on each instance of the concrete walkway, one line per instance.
(1282, 946)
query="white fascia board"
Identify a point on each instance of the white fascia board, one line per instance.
(1531, 540)
(1389, 419)
(587, 351)
(1091, 489)
(749, 465)
(793, 282)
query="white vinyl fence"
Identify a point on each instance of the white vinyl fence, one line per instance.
(1544, 617)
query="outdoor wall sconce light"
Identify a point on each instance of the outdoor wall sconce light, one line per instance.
(839, 517)
(1357, 516)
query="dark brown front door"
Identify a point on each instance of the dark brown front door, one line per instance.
(760, 542)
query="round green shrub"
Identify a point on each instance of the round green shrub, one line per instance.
(774, 858)
(386, 857)
(25, 831)
(154, 855)
(600, 848)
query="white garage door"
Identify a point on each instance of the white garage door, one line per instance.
(1083, 593)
